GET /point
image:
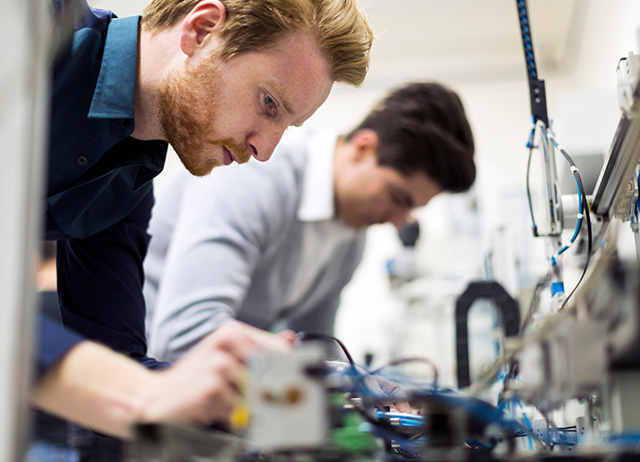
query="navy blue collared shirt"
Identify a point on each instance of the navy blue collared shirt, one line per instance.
(99, 190)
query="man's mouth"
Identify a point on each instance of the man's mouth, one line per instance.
(227, 157)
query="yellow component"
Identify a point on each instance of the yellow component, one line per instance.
(240, 417)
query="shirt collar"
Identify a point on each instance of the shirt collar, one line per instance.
(316, 202)
(114, 93)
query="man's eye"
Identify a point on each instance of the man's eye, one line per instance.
(400, 201)
(269, 102)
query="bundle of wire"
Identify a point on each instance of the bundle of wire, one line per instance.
(407, 432)
(583, 205)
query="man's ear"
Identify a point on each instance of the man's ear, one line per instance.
(200, 23)
(365, 145)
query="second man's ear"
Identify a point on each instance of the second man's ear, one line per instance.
(365, 144)
(206, 18)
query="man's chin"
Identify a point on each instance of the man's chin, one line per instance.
(200, 168)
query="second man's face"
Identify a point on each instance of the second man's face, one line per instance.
(220, 111)
(373, 194)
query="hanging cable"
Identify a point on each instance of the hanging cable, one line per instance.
(401, 361)
(304, 336)
(586, 214)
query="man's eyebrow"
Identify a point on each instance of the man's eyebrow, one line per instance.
(287, 107)
(284, 101)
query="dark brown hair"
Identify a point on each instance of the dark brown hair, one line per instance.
(422, 127)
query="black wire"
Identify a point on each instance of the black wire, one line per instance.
(585, 210)
(304, 336)
(587, 215)
(512, 368)
(398, 362)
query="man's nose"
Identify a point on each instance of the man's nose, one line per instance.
(400, 217)
(263, 143)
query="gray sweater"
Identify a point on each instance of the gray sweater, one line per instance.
(258, 242)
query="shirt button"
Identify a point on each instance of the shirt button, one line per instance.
(82, 160)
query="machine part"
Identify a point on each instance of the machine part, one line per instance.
(536, 87)
(288, 406)
(547, 220)
(540, 428)
(409, 233)
(623, 157)
(564, 358)
(611, 297)
(628, 72)
(182, 443)
(508, 318)
(625, 405)
(26, 50)
(624, 206)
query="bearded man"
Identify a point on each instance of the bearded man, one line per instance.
(220, 80)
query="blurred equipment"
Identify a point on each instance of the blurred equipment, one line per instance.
(287, 400)
(402, 268)
(508, 319)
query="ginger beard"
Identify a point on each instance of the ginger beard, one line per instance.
(187, 114)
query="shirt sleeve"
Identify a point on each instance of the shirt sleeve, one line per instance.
(100, 284)
(53, 342)
(225, 223)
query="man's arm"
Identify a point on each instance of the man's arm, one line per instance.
(100, 284)
(94, 386)
(224, 225)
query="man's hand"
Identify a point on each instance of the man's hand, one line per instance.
(204, 385)
(391, 393)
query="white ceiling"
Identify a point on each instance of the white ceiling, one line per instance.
(463, 40)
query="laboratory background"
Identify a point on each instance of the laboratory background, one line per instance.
(404, 301)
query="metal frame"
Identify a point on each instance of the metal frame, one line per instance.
(23, 91)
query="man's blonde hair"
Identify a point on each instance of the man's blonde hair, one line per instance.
(340, 27)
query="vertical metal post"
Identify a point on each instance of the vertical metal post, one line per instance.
(23, 89)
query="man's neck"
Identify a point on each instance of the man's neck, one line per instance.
(153, 50)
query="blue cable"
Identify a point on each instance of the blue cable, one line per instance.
(478, 444)
(625, 439)
(578, 225)
(574, 169)
(527, 422)
(405, 420)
